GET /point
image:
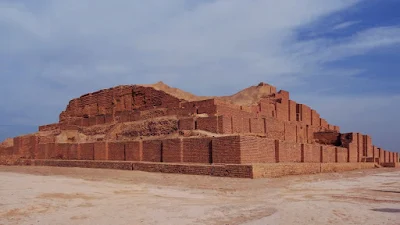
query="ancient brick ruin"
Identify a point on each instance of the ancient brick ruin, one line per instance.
(257, 132)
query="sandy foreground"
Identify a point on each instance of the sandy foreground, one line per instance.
(50, 195)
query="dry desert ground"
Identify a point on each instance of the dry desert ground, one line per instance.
(50, 195)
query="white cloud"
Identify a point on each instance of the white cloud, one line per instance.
(345, 25)
(56, 50)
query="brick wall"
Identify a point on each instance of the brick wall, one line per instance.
(197, 150)
(301, 132)
(282, 110)
(289, 151)
(311, 153)
(328, 154)
(208, 124)
(275, 129)
(172, 150)
(257, 125)
(116, 151)
(225, 124)
(291, 131)
(100, 150)
(152, 151)
(133, 150)
(226, 149)
(315, 118)
(26, 146)
(86, 151)
(341, 155)
(292, 110)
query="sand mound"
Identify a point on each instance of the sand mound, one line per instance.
(176, 92)
(246, 97)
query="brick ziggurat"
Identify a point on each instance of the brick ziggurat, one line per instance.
(258, 132)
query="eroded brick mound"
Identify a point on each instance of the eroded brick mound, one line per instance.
(157, 123)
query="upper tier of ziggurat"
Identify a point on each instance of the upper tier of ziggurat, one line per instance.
(155, 125)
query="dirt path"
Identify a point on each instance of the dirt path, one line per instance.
(49, 195)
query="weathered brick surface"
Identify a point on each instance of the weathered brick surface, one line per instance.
(208, 124)
(187, 123)
(152, 151)
(289, 151)
(328, 154)
(133, 150)
(116, 151)
(197, 150)
(257, 125)
(275, 129)
(341, 155)
(226, 150)
(73, 151)
(290, 132)
(312, 153)
(225, 124)
(172, 150)
(100, 151)
(86, 151)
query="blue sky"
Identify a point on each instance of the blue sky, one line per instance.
(338, 56)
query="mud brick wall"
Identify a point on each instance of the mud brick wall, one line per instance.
(257, 125)
(327, 137)
(289, 151)
(197, 150)
(328, 154)
(292, 110)
(228, 110)
(86, 151)
(349, 141)
(44, 150)
(61, 151)
(324, 123)
(341, 155)
(133, 150)
(6, 151)
(172, 150)
(205, 106)
(381, 155)
(275, 129)
(92, 121)
(49, 127)
(100, 150)
(225, 124)
(311, 153)
(226, 150)
(252, 151)
(301, 133)
(282, 110)
(116, 151)
(246, 125)
(187, 123)
(73, 151)
(386, 156)
(108, 118)
(290, 131)
(375, 152)
(46, 139)
(283, 169)
(208, 124)
(361, 147)
(152, 151)
(304, 113)
(117, 99)
(267, 109)
(26, 146)
(367, 148)
(315, 118)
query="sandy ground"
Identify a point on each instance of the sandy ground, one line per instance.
(49, 195)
